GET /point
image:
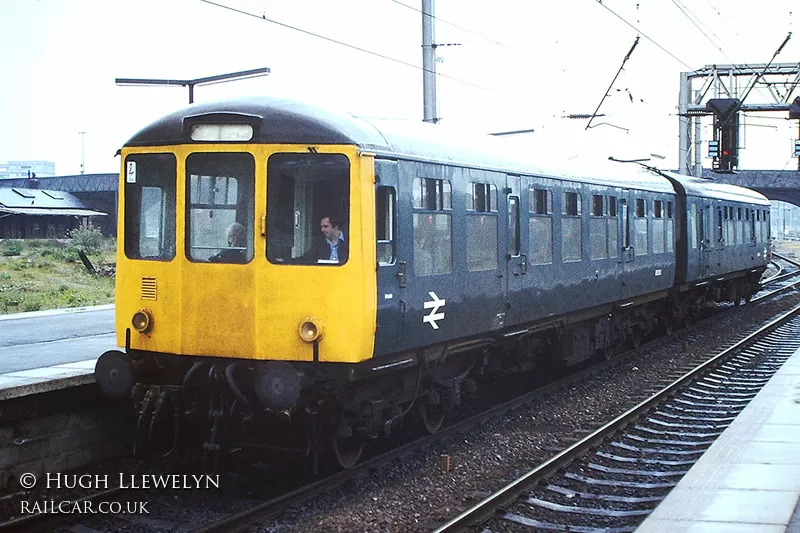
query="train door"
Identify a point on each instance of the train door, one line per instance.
(695, 260)
(628, 255)
(484, 289)
(516, 260)
(707, 240)
(435, 294)
(623, 239)
(391, 260)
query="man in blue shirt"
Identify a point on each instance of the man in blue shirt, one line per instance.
(332, 246)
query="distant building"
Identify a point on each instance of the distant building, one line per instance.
(40, 213)
(27, 169)
(96, 191)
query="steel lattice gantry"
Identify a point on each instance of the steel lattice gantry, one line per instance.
(734, 82)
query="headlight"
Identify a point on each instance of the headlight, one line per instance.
(311, 329)
(142, 320)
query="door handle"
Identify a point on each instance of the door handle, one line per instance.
(402, 276)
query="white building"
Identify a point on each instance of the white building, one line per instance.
(26, 169)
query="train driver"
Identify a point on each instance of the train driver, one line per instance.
(331, 246)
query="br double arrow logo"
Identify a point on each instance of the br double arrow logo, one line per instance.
(434, 306)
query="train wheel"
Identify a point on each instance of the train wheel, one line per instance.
(346, 450)
(431, 415)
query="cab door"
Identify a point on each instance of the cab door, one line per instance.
(391, 261)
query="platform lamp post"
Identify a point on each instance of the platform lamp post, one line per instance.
(244, 74)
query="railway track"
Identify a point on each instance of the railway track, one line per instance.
(614, 477)
(261, 510)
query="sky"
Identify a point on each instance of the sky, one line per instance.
(518, 64)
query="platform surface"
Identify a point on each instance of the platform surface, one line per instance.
(44, 351)
(748, 481)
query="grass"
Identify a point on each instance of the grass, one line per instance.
(41, 274)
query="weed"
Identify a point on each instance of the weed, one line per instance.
(32, 306)
(12, 249)
(47, 274)
(87, 239)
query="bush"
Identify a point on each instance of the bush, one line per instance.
(32, 306)
(87, 239)
(14, 248)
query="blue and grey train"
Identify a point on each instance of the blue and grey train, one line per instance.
(463, 258)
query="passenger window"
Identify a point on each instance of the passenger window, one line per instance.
(571, 232)
(150, 183)
(514, 242)
(385, 224)
(482, 197)
(613, 234)
(219, 214)
(598, 227)
(308, 209)
(659, 232)
(730, 226)
(541, 201)
(693, 226)
(432, 194)
(540, 227)
(640, 227)
(482, 227)
(433, 252)
(670, 228)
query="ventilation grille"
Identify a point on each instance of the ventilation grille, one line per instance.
(149, 289)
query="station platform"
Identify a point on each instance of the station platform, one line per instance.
(50, 350)
(748, 481)
(40, 380)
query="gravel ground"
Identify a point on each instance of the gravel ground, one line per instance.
(414, 495)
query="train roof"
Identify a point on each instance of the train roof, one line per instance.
(282, 121)
(719, 191)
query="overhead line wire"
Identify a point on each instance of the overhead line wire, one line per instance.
(467, 30)
(684, 10)
(706, 26)
(673, 56)
(348, 45)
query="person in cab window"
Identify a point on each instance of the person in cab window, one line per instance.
(331, 246)
(234, 253)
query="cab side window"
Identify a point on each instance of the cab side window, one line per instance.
(150, 183)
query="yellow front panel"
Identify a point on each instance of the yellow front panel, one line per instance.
(253, 310)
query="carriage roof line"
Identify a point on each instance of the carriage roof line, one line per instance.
(284, 121)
